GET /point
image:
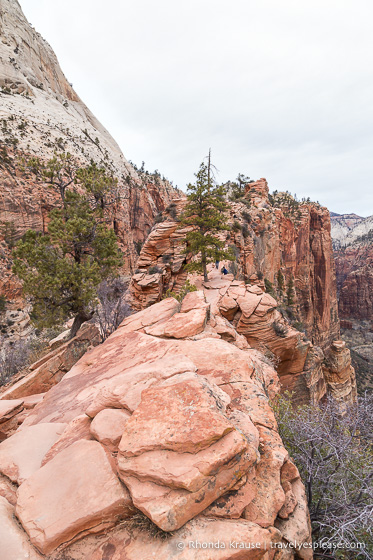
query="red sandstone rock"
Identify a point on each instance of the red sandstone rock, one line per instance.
(193, 300)
(14, 544)
(191, 445)
(9, 408)
(297, 528)
(270, 496)
(124, 391)
(8, 490)
(180, 417)
(107, 427)
(22, 454)
(65, 498)
(184, 544)
(76, 430)
(339, 373)
(183, 325)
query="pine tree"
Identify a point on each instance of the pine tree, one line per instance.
(239, 186)
(62, 269)
(290, 292)
(205, 212)
(280, 281)
(98, 184)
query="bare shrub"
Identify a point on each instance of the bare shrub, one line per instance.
(279, 329)
(334, 455)
(155, 269)
(16, 355)
(113, 308)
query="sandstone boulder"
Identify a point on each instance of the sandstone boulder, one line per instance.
(108, 426)
(250, 542)
(65, 499)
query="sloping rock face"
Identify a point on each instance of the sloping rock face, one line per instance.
(40, 113)
(163, 433)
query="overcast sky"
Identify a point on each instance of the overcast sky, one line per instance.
(281, 89)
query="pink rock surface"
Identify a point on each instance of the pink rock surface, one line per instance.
(297, 528)
(181, 417)
(9, 408)
(107, 427)
(163, 310)
(190, 471)
(124, 391)
(65, 499)
(14, 544)
(270, 495)
(170, 509)
(185, 543)
(8, 490)
(183, 325)
(77, 429)
(193, 300)
(22, 453)
(233, 503)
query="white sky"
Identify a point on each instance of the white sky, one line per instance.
(281, 89)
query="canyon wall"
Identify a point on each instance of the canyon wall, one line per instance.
(284, 257)
(353, 250)
(40, 114)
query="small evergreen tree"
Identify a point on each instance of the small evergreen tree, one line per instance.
(97, 183)
(239, 186)
(280, 281)
(205, 212)
(62, 270)
(290, 292)
(58, 172)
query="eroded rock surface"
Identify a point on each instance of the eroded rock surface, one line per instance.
(158, 434)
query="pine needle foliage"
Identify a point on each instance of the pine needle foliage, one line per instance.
(61, 270)
(205, 212)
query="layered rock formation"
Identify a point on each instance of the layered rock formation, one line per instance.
(269, 235)
(353, 249)
(40, 113)
(158, 440)
(277, 243)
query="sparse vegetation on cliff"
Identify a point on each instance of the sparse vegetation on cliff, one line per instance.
(184, 290)
(334, 455)
(62, 269)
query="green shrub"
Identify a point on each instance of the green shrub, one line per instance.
(185, 289)
(154, 270)
(236, 226)
(269, 287)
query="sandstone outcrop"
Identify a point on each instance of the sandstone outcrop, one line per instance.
(161, 430)
(273, 235)
(339, 373)
(278, 243)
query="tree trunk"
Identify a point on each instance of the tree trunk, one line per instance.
(81, 318)
(203, 260)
